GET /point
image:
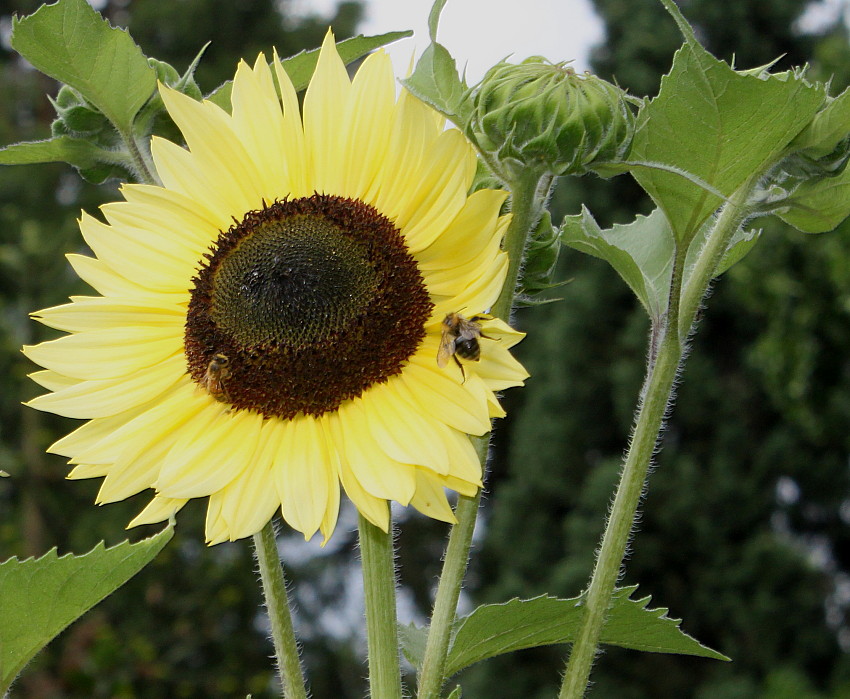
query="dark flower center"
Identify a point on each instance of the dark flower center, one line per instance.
(302, 305)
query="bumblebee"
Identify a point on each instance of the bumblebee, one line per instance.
(459, 338)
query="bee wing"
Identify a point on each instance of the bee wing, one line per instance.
(447, 349)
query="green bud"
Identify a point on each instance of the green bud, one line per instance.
(75, 115)
(549, 118)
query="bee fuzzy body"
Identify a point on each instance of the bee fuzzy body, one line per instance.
(218, 371)
(460, 338)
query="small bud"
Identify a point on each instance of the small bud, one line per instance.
(547, 117)
(76, 116)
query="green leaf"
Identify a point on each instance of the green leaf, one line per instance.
(72, 43)
(65, 149)
(435, 79)
(300, 67)
(456, 693)
(641, 252)
(40, 597)
(412, 639)
(494, 629)
(719, 125)
(436, 82)
(819, 205)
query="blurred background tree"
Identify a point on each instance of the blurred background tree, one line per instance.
(744, 531)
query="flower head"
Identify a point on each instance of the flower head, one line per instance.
(269, 319)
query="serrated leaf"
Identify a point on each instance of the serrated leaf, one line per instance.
(65, 149)
(641, 252)
(300, 67)
(72, 43)
(412, 639)
(457, 693)
(40, 597)
(494, 629)
(718, 124)
(818, 206)
(436, 82)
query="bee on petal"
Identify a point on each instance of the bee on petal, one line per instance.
(459, 338)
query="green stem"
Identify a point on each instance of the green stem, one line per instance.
(731, 217)
(528, 198)
(379, 583)
(141, 165)
(432, 674)
(658, 388)
(277, 603)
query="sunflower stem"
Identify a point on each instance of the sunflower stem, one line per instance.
(379, 583)
(277, 603)
(140, 163)
(432, 674)
(527, 200)
(685, 299)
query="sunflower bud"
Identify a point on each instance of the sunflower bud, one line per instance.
(549, 118)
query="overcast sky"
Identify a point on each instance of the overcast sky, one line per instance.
(479, 33)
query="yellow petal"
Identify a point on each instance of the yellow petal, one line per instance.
(213, 449)
(372, 508)
(137, 258)
(96, 313)
(51, 380)
(82, 471)
(430, 498)
(369, 121)
(91, 399)
(258, 123)
(380, 475)
(215, 148)
(442, 186)
(443, 398)
(325, 110)
(302, 470)
(158, 510)
(403, 434)
(474, 233)
(107, 353)
(250, 501)
(133, 475)
(299, 171)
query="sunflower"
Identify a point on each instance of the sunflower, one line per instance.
(269, 319)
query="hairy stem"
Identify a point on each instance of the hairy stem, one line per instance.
(379, 583)
(277, 603)
(528, 197)
(431, 677)
(656, 394)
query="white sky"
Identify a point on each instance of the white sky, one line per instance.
(479, 33)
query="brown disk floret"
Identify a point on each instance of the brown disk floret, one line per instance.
(311, 301)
